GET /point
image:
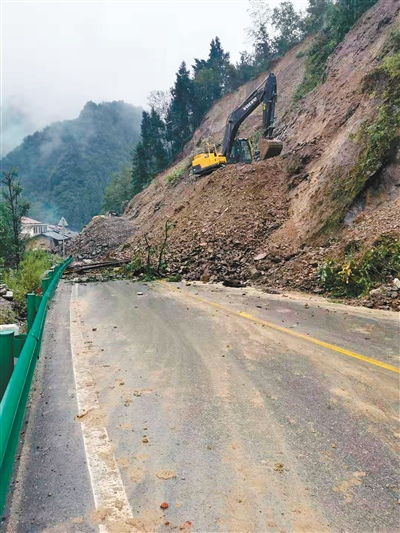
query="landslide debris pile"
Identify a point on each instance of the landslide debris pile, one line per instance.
(275, 222)
(101, 237)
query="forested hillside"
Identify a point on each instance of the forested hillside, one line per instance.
(65, 168)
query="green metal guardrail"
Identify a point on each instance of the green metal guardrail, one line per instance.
(15, 382)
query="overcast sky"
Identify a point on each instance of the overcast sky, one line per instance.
(58, 54)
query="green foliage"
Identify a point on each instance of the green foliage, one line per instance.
(7, 315)
(65, 168)
(177, 172)
(119, 191)
(174, 278)
(140, 171)
(356, 274)
(179, 116)
(339, 17)
(29, 274)
(6, 236)
(134, 267)
(288, 23)
(316, 12)
(12, 208)
(212, 78)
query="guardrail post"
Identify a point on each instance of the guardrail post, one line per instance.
(45, 284)
(31, 311)
(6, 359)
(18, 344)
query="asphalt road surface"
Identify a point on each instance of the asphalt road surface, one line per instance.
(234, 410)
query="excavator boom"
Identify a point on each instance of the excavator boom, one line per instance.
(264, 94)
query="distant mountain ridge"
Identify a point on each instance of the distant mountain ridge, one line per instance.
(65, 168)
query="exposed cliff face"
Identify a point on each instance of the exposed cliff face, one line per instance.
(267, 221)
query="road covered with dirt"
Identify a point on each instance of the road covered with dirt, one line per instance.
(191, 406)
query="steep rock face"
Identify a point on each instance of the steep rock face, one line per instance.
(65, 167)
(325, 126)
(263, 221)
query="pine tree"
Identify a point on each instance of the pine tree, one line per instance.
(218, 62)
(13, 209)
(245, 69)
(212, 79)
(263, 49)
(179, 114)
(140, 171)
(159, 149)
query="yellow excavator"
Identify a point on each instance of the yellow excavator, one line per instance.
(240, 150)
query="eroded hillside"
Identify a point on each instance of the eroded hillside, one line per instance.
(275, 221)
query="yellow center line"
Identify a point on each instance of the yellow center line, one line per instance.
(271, 325)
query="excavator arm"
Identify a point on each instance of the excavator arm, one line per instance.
(264, 94)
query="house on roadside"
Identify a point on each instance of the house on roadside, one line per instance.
(31, 227)
(50, 241)
(43, 236)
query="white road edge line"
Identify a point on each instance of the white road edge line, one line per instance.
(108, 489)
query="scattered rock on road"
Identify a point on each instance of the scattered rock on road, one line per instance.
(166, 474)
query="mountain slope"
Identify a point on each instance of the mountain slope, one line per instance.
(65, 167)
(275, 221)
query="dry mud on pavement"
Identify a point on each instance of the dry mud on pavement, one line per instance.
(242, 411)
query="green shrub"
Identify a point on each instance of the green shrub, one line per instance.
(7, 315)
(177, 172)
(28, 276)
(134, 267)
(174, 278)
(356, 274)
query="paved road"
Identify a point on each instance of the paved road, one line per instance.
(241, 410)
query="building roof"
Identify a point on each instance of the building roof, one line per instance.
(27, 220)
(55, 236)
(64, 231)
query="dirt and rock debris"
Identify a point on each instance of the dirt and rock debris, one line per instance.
(262, 223)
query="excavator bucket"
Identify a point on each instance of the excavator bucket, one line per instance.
(269, 148)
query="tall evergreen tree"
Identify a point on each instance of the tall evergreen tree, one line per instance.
(160, 157)
(179, 116)
(13, 209)
(244, 69)
(219, 63)
(140, 171)
(263, 49)
(212, 78)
